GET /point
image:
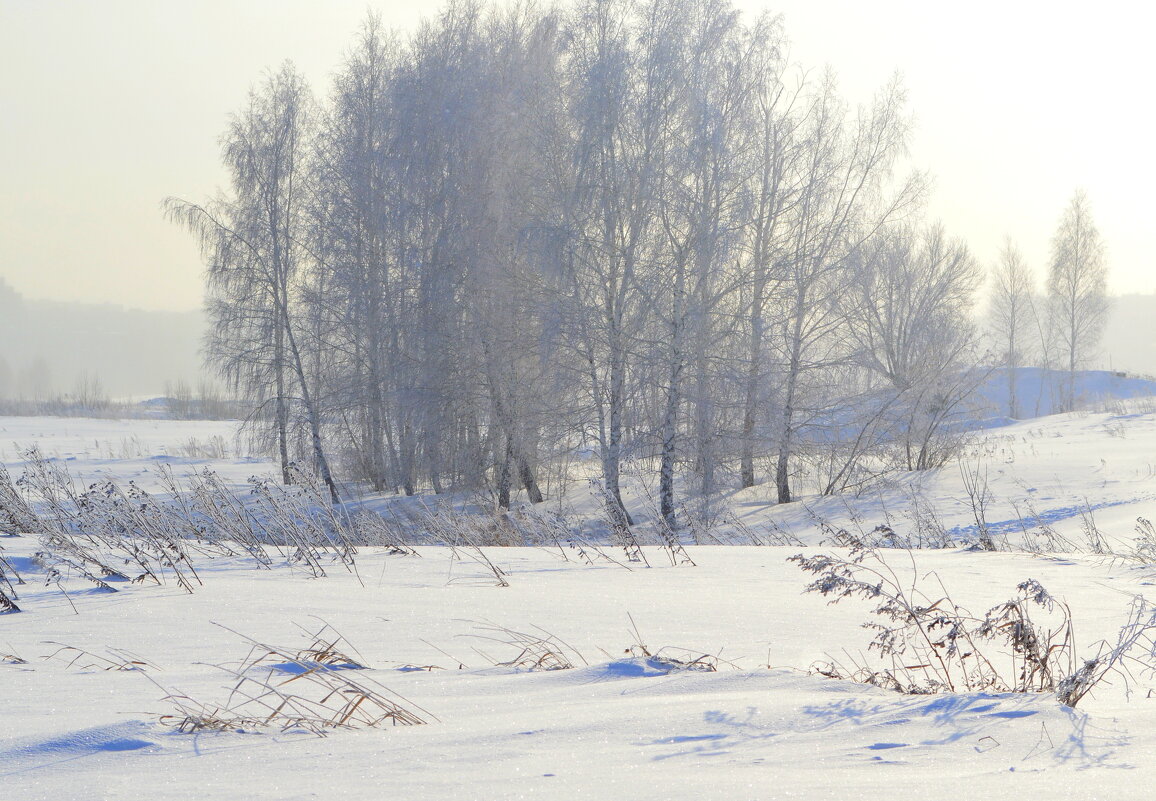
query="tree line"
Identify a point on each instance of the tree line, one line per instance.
(625, 229)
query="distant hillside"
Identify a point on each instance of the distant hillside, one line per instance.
(47, 347)
(1039, 392)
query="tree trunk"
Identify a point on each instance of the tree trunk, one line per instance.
(503, 478)
(281, 411)
(612, 451)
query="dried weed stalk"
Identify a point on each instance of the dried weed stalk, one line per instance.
(116, 659)
(309, 689)
(930, 644)
(536, 650)
(12, 658)
(16, 516)
(670, 658)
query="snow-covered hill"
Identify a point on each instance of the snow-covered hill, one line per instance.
(684, 681)
(1041, 392)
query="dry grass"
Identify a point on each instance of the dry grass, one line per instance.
(7, 603)
(308, 689)
(12, 658)
(115, 659)
(927, 643)
(666, 658)
(536, 650)
(671, 658)
(327, 648)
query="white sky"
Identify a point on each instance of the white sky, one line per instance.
(108, 106)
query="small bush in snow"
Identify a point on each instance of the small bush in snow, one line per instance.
(927, 643)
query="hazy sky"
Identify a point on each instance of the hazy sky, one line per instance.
(108, 106)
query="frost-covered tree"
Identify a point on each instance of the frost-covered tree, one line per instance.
(352, 285)
(517, 232)
(912, 291)
(1077, 288)
(254, 242)
(1012, 315)
(839, 206)
(910, 322)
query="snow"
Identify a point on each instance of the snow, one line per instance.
(130, 449)
(631, 718)
(1039, 390)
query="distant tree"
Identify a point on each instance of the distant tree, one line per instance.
(88, 393)
(35, 381)
(1077, 288)
(1012, 314)
(180, 399)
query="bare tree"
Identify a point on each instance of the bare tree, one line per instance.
(839, 206)
(254, 245)
(912, 293)
(714, 79)
(1012, 312)
(611, 214)
(909, 318)
(1077, 288)
(774, 155)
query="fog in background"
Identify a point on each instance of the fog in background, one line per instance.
(109, 107)
(50, 349)
(47, 348)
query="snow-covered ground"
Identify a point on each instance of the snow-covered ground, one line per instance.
(130, 449)
(633, 717)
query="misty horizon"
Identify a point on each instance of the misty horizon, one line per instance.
(48, 348)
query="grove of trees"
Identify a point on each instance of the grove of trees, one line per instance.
(1060, 329)
(624, 229)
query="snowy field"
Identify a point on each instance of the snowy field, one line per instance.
(684, 681)
(129, 449)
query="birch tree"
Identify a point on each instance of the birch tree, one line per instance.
(353, 228)
(705, 68)
(611, 215)
(839, 206)
(774, 156)
(1012, 312)
(254, 243)
(1077, 288)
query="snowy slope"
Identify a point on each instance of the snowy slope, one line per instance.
(1039, 392)
(435, 630)
(621, 725)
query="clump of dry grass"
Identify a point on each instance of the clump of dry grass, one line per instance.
(12, 658)
(664, 658)
(327, 648)
(308, 689)
(7, 604)
(536, 650)
(8, 595)
(16, 516)
(670, 658)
